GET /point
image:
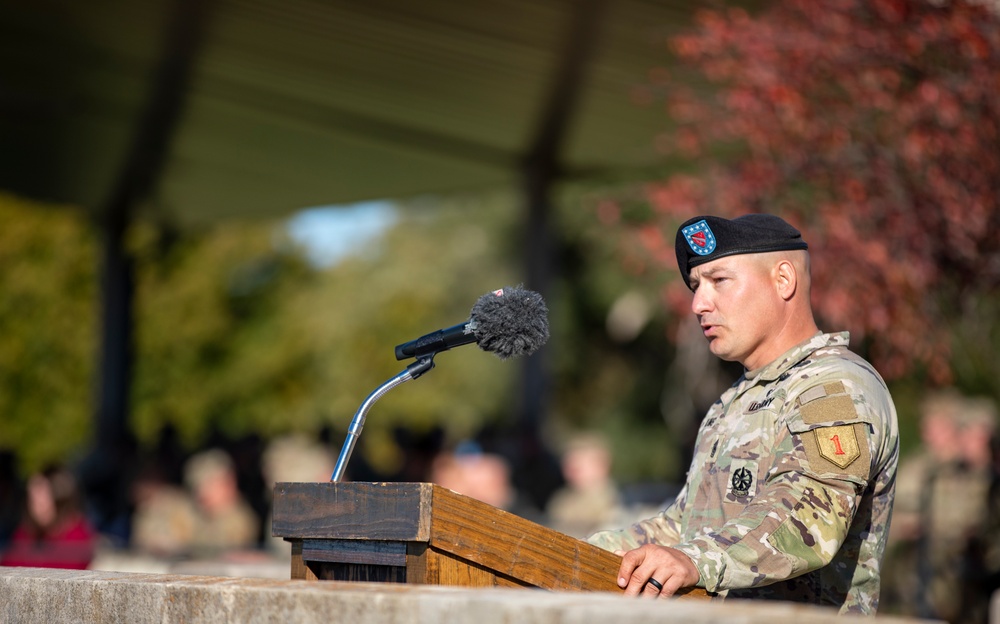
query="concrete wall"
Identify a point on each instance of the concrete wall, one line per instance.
(62, 596)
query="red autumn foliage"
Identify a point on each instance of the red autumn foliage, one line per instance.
(874, 126)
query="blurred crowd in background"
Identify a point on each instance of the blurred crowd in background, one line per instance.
(213, 505)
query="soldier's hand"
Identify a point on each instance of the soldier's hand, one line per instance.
(668, 567)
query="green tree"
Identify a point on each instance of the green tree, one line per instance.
(48, 316)
(423, 274)
(214, 352)
(237, 333)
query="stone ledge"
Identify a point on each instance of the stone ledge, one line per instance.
(60, 596)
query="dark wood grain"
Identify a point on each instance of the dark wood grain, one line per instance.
(369, 511)
(363, 573)
(355, 551)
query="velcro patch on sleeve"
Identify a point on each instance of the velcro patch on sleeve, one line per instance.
(818, 392)
(829, 409)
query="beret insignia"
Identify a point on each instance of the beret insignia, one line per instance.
(700, 238)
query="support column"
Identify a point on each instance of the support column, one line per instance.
(540, 171)
(104, 473)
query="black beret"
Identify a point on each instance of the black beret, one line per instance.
(706, 238)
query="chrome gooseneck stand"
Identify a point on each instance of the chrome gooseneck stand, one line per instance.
(414, 370)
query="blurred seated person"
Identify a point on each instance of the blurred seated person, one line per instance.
(590, 500)
(225, 521)
(294, 458)
(209, 519)
(53, 533)
(483, 476)
(165, 517)
(479, 475)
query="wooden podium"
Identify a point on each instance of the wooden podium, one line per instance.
(422, 533)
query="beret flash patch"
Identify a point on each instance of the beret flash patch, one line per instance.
(700, 238)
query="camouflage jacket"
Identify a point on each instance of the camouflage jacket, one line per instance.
(790, 490)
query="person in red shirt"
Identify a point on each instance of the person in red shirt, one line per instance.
(54, 533)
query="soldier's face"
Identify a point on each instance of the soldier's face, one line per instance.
(737, 307)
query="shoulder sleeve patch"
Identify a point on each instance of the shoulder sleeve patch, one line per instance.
(833, 434)
(841, 449)
(838, 445)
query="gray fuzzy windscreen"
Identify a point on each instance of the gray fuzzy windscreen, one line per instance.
(511, 322)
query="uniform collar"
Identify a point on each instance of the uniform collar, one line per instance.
(796, 354)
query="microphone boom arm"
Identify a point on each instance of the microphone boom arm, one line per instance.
(414, 370)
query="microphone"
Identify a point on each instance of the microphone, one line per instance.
(508, 322)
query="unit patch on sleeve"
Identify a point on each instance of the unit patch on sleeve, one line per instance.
(838, 444)
(835, 440)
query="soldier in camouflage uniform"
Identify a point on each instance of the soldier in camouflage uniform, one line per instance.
(938, 549)
(790, 491)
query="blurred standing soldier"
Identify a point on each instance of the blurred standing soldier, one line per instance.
(225, 521)
(989, 538)
(921, 487)
(942, 496)
(208, 519)
(980, 566)
(790, 490)
(165, 516)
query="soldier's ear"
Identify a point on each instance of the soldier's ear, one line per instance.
(785, 279)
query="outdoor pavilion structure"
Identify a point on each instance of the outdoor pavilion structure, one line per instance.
(198, 110)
